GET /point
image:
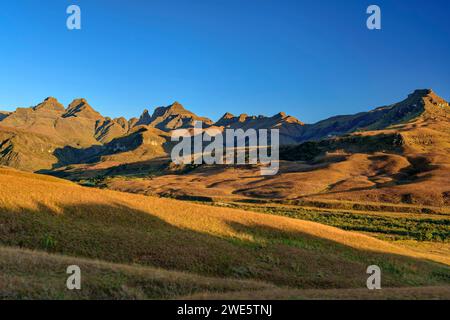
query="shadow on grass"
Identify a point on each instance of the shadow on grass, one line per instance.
(117, 233)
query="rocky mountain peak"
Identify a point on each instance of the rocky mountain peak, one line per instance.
(81, 108)
(171, 117)
(424, 100)
(50, 104)
(225, 120)
(421, 93)
(280, 115)
(227, 116)
(176, 107)
(145, 118)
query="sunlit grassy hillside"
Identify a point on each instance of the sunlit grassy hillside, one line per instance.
(44, 213)
(37, 275)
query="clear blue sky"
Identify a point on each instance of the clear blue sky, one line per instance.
(312, 59)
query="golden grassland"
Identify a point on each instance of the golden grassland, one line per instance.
(45, 213)
(30, 274)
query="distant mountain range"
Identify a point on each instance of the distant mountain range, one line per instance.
(49, 135)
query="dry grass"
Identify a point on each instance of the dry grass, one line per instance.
(49, 214)
(30, 274)
(413, 293)
(37, 275)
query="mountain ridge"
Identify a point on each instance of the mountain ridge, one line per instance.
(49, 134)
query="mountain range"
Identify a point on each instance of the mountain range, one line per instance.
(50, 136)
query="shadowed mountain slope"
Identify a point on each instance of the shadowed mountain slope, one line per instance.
(418, 103)
(4, 114)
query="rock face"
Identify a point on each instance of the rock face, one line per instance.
(29, 137)
(50, 104)
(48, 135)
(290, 128)
(76, 125)
(81, 108)
(172, 117)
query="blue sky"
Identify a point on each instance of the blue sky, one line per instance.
(312, 59)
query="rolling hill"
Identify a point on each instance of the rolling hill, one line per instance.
(42, 213)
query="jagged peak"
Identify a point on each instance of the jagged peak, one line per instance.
(78, 102)
(175, 109)
(280, 115)
(176, 106)
(226, 119)
(421, 93)
(80, 107)
(50, 99)
(426, 94)
(227, 116)
(145, 118)
(50, 103)
(283, 117)
(425, 99)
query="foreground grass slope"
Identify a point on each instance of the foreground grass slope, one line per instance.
(45, 213)
(37, 275)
